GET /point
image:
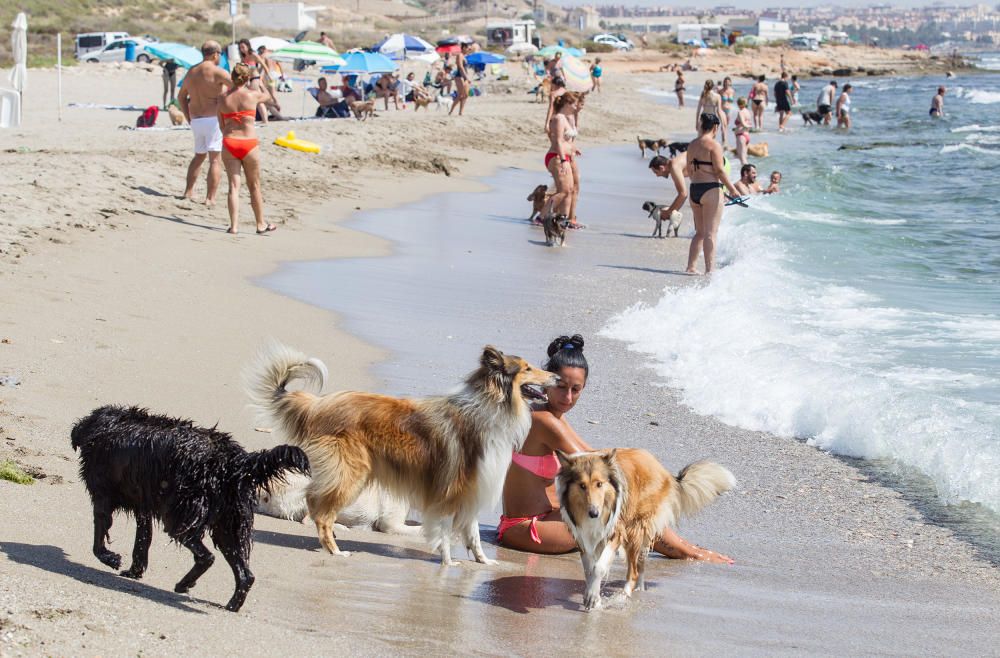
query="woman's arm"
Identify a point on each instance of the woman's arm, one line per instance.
(556, 434)
(720, 170)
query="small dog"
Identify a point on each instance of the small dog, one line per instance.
(624, 497)
(677, 147)
(191, 479)
(543, 90)
(538, 197)
(445, 455)
(651, 144)
(812, 117)
(363, 109)
(444, 102)
(375, 508)
(176, 116)
(655, 211)
(420, 102)
(555, 229)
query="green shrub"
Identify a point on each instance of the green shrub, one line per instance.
(12, 473)
(594, 47)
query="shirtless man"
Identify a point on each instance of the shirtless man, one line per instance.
(937, 104)
(199, 97)
(674, 167)
(747, 184)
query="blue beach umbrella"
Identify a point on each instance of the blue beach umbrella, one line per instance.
(483, 57)
(185, 56)
(363, 63)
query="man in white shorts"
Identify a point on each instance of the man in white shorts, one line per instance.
(199, 97)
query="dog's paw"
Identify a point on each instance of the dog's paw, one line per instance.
(113, 560)
(591, 602)
(182, 588)
(340, 553)
(132, 572)
(488, 561)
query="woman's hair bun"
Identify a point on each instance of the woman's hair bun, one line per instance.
(574, 342)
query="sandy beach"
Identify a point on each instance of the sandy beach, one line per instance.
(114, 290)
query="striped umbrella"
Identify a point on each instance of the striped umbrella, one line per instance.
(576, 73)
(398, 46)
(308, 51)
(550, 51)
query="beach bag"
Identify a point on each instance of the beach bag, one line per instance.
(148, 117)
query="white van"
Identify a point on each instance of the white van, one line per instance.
(91, 41)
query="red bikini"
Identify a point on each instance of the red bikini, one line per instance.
(544, 466)
(239, 147)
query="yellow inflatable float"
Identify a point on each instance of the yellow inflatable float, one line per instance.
(290, 141)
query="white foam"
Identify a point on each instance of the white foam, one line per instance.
(980, 96)
(976, 128)
(766, 348)
(953, 148)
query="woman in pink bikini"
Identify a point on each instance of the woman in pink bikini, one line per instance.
(531, 520)
(240, 147)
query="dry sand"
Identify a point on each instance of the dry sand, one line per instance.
(113, 290)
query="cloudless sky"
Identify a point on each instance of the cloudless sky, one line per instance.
(755, 4)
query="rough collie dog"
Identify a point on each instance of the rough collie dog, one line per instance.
(375, 508)
(446, 455)
(189, 478)
(624, 497)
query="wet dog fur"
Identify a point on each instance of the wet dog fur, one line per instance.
(444, 455)
(538, 197)
(625, 497)
(655, 213)
(374, 509)
(192, 479)
(555, 227)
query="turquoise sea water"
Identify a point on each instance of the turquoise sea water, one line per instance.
(859, 309)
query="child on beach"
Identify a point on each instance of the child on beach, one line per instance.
(531, 519)
(774, 186)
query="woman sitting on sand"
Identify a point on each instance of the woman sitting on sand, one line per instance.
(240, 150)
(741, 128)
(561, 130)
(531, 519)
(711, 102)
(706, 164)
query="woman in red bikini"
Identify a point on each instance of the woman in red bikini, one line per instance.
(559, 159)
(531, 520)
(240, 150)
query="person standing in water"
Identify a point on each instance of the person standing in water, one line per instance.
(706, 163)
(844, 108)
(937, 104)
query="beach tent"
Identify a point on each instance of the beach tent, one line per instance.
(19, 51)
(363, 63)
(309, 51)
(576, 73)
(184, 55)
(400, 46)
(273, 44)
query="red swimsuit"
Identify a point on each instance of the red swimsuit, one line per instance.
(239, 147)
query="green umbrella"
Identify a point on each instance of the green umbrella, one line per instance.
(310, 51)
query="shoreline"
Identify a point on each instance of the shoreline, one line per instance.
(185, 315)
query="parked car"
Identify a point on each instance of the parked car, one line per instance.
(613, 41)
(803, 43)
(93, 41)
(115, 51)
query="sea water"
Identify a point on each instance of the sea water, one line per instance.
(859, 309)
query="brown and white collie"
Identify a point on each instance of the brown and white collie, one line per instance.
(446, 456)
(624, 497)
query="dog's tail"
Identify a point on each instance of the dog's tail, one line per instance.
(265, 379)
(698, 484)
(269, 467)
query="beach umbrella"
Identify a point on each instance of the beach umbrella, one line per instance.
(19, 49)
(364, 63)
(426, 58)
(184, 55)
(271, 43)
(550, 51)
(449, 48)
(483, 57)
(576, 73)
(398, 46)
(309, 51)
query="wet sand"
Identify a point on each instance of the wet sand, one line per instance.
(161, 311)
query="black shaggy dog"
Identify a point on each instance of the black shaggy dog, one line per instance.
(191, 479)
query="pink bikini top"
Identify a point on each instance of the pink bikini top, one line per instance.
(544, 466)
